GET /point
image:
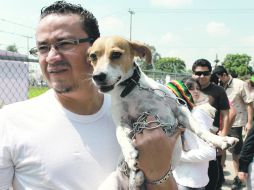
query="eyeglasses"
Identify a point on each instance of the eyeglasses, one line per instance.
(61, 46)
(204, 73)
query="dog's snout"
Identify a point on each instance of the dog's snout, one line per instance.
(101, 77)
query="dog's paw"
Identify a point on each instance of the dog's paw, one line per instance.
(140, 178)
(228, 142)
(231, 140)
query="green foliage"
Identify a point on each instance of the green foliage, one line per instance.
(171, 65)
(36, 91)
(238, 63)
(12, 48)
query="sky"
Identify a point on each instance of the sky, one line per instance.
(187, 29)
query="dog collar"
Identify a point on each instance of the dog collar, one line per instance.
(131, 82)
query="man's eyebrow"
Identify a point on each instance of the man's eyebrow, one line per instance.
(41, 42)
(57, 40)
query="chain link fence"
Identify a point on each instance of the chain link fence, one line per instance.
(17, 81)
(20, 80)
(165, 77)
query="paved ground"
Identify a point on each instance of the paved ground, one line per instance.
(229, 173)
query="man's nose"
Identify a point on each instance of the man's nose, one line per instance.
(53, 55)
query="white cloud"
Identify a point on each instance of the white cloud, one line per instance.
(170, 3)
(111, 25)
(168, 39)
(248, 41)
(217, 29)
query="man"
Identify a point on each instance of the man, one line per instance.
(202, 72)
(246, 161)
(239, 96)
(65, 138)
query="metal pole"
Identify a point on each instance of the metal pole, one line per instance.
(131, 13)
(216, 60)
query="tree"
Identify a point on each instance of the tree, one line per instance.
(171, 65)
(12, 48)
(238, 63)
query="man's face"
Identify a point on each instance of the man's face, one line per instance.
(203, 75)
(64, 71)
(223, 78)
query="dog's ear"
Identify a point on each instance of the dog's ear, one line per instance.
(142, 51)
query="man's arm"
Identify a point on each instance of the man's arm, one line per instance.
(231, 116)
(248, 125)
(225, 123)
(155, 155)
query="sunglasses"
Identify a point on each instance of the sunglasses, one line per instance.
(204, 73)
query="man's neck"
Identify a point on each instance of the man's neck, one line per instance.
(82, 102)
(205, 86)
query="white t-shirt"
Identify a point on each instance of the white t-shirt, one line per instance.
(192, 171)
(44, 146)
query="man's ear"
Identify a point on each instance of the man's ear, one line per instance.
(142, 51)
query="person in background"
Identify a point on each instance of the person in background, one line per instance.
(202, 69)
(66, 138)
(231, 118)
(246, 161)
(250, 83)
(192, 170)
(239, 96)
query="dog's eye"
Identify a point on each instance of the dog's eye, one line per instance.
(116, 55)
(93, 57)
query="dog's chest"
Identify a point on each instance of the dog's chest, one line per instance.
(128, 109)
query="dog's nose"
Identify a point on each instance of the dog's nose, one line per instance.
(99, 77)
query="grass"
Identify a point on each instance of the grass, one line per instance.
(36, 91)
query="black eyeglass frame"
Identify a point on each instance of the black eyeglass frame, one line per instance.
(35, 52)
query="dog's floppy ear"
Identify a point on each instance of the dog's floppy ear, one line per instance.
(142, 51)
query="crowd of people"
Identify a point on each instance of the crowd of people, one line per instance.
(65, 138)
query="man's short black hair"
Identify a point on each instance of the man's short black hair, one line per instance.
(88, 22)
(201, 63)
(215, 79)
(220, 70)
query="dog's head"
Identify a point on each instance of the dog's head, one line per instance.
(112, 59)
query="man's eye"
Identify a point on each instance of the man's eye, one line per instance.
(43, 48)
(116, 55)
(93, 57)
(65, 45)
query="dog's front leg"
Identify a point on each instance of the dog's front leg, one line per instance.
(129, 152)
(186, 119)
(130, 155)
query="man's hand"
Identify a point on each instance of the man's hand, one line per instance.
(155, 153)
(247, 128)
(243, 176)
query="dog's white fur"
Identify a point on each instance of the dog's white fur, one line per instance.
(112, 59)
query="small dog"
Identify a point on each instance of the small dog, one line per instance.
(134, 96)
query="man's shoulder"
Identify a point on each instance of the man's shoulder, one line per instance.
(236, 81)
(27, 105)
(213, 88)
